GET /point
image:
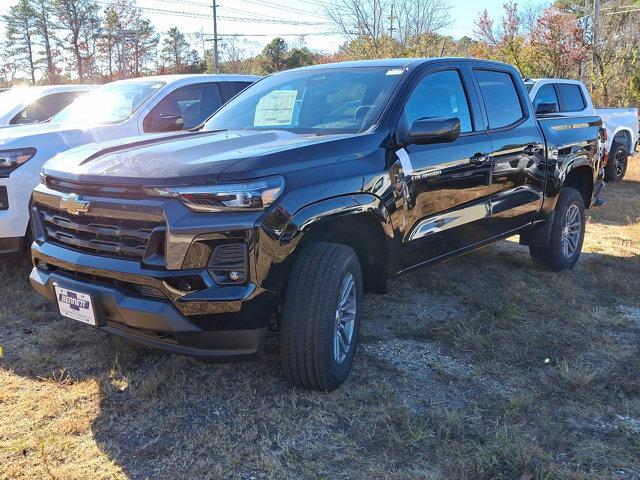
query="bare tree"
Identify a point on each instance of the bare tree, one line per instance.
(529, 15)
(389, 25)
(361, 19)
(416, 18)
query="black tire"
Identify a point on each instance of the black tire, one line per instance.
(309, 313)
(552, 256)
(616, 168)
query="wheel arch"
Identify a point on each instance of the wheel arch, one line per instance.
(624, 136)
(360, 221)
(581, 179)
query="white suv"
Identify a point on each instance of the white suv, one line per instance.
(122, 109)
(27, 105)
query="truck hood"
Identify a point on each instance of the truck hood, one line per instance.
(186, 158)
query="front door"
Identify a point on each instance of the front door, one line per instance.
(442, 190)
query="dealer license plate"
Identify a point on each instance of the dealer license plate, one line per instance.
(75, 305)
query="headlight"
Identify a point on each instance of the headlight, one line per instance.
(12, 159)
(252, 195)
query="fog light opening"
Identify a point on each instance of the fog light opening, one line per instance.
(187, 284)
(229, 263)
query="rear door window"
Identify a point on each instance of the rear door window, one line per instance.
(500, 98)
(546, 94)
(571, 98)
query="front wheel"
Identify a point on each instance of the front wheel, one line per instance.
(617, 166)
(567, 234)
(321, 316)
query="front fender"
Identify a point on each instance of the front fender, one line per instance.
(307, 218)
(325, 210)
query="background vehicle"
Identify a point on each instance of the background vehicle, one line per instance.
(26, 105)
(116, 110)
(571, 97)
(286, 203)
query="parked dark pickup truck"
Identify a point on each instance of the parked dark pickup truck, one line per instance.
(308, 189)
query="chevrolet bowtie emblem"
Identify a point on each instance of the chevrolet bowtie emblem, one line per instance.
(74, 205)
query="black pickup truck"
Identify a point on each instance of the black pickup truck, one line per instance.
(310, 188)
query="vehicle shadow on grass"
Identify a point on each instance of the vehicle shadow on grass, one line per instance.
(427, 392)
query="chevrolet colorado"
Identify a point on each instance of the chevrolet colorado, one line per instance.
(308, 189)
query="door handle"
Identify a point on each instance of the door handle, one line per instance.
(531, 149)
(479, 159)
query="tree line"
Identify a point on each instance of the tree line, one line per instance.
(57, 41)
(559, 39)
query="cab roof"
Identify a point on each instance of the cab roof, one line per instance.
(409, 63)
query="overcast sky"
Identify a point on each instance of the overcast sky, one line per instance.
(195, 15)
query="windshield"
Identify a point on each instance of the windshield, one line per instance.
(334, 100)
(529, 85)
(111, 103)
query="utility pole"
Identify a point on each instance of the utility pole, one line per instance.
(391, 18)
(215, 39)
(595, 27)
(585, 18)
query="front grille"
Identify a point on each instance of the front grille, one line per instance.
(109, 237)
(4, 198)
(100, 190)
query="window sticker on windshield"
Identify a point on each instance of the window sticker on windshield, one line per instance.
(395, 71)
(275, 108)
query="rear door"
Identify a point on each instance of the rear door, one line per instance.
(441, 189)
(518, 154)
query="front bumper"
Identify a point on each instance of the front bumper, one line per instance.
(155, 322)
(142, 295)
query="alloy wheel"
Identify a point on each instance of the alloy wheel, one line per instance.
(571, 231)
(345, 319)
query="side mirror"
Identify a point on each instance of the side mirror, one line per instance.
(434, 130)
(166, 123)
(544, 108)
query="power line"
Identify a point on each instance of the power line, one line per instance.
(284, 8)
(273, 20)
(229, 18)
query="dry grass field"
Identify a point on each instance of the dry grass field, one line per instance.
(480, 368)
